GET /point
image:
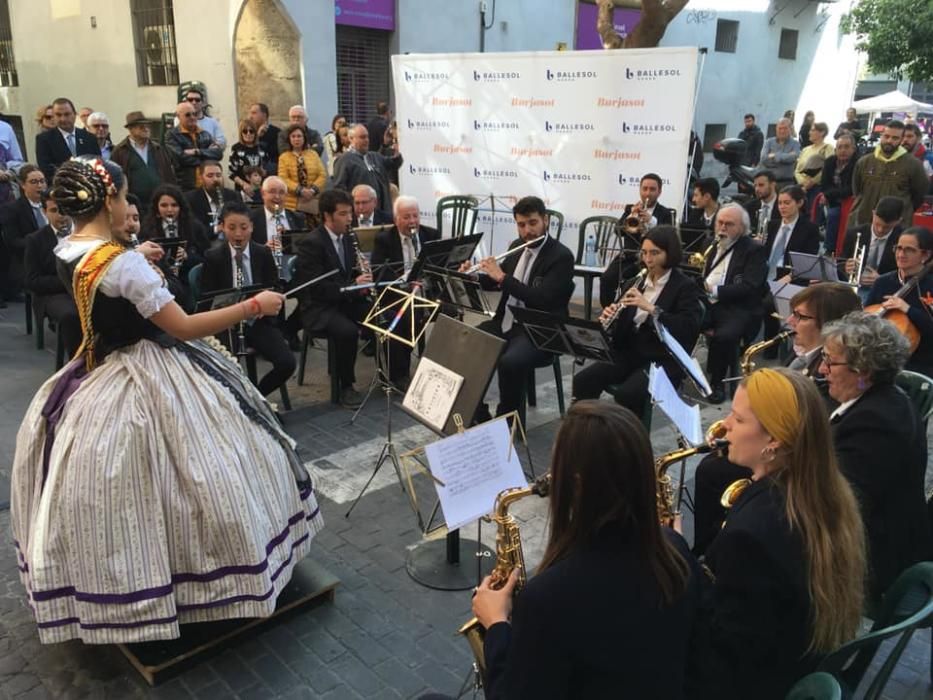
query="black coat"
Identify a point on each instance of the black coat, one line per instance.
(41, 271)
(17, 219)
(681, 313)
(664, 216)
(320, 301)
(387, 248)
(260, 235)
(881, 446)
(754, 622)
(753, 207)
(804, 238)
(52, 151)
(887, 264)
(380, 218)
(592, 626)
(217, 272)
(833, 194)
(270, 144)
(550, 280)
(201, 208)
(744, 283)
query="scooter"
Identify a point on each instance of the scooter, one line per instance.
(731, 152)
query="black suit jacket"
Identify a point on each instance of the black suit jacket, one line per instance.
(887, 264)
(680, 312)
(550, 280)
(41, 271)
(754, 623)
(387, 248)
(218, 271)
(201, 208)
(664, 216)
(17, 219)
(881, 446)
(258, 218)
(52, 151)
(270, 144)
(380, 218)
(834, 195)
(593, 626)
(804, 238)
(744, 283)
(317, 255)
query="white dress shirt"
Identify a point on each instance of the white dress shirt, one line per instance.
(651, 293)
(522, 269)
(717, 273)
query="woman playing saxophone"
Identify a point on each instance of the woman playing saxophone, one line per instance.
(613, 600)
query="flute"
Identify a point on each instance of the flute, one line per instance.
(503, 256)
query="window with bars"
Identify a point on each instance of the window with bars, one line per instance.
(713, 134)
(362, 71)
(788, 46)
(8, 77)
(727, 35)
(154, 39)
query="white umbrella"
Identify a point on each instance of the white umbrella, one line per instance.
(894, 101)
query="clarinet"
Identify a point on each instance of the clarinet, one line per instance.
(173, 233)
(277, 238)
(609, 322)
(216, 208)
(241, 327)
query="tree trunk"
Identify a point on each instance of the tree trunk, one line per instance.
(655, 16)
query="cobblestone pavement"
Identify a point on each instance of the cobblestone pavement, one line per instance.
(384, 636)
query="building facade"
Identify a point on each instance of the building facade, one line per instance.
(333, 55)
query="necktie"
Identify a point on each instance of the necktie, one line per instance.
(71, 143)
(520, 274)
(39, 217)
(777, 251)
(340, 254)
(409, 257)
(240, 278)
(874, 256)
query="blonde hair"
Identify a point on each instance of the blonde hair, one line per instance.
(821, 507)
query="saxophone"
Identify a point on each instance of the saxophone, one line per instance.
(668, 508)
(508, 556)
(747, 362)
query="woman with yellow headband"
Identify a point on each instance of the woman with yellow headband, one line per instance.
(789, 562)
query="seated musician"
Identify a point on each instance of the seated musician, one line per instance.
(811, 309)
(541, 278)
(880, 442)
(394, 252)
(41, 279)
(605, 546)
(701, 218)
(912, 252)
(734, 277)
(365, 212)
(762, 210)
(877, 240)
(209, 199)
(788, 564)
(324, 307)
(793, 233)
(238, 258)
(649, 214)
(665, 293)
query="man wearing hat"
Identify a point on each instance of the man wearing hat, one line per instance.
(146, 164)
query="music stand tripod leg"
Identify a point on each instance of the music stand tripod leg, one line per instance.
(380, 378)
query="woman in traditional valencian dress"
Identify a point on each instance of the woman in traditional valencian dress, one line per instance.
(152, 485)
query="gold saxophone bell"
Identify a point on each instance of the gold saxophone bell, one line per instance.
(733, 491)
(747, 362)
(667, 506)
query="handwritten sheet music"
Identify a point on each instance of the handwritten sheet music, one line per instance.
(432, 393)
(682, 414)
(475, 467)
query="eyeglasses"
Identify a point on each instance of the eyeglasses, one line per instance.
(48, 116)
(193, 99)
(906, 249)
(830, 363)
(801, 317)
(35, 181)
(248, 131)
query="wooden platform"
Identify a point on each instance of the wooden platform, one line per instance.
(310, 585)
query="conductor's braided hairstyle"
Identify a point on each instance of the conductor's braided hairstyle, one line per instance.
(81, 186)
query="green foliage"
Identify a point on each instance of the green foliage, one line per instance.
(897, 36)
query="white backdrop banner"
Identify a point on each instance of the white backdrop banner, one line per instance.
(576, 128)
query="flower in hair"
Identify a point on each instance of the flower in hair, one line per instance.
(82, 195)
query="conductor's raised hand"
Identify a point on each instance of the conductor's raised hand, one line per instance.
(270, 303)
(490, 605)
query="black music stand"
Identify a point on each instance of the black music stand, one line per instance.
(222, 298)
(576, 337)
(459, 289)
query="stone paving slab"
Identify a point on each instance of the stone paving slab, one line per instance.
(384, 636)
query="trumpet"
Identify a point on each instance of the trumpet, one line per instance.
(633, 224)
(503, 256)
(609, 321)
(859, 255)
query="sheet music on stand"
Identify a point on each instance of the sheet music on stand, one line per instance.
(683, 415)
(688, 364)
(459, 289)
(432, 393)
(444, 254)
(782, 293)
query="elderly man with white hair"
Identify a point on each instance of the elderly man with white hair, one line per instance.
(394, 252)
(272, 219)
(365, 213)
(360, 166)
(298, 115)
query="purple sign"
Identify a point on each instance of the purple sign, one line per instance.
(372, 14)
(587, 36)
